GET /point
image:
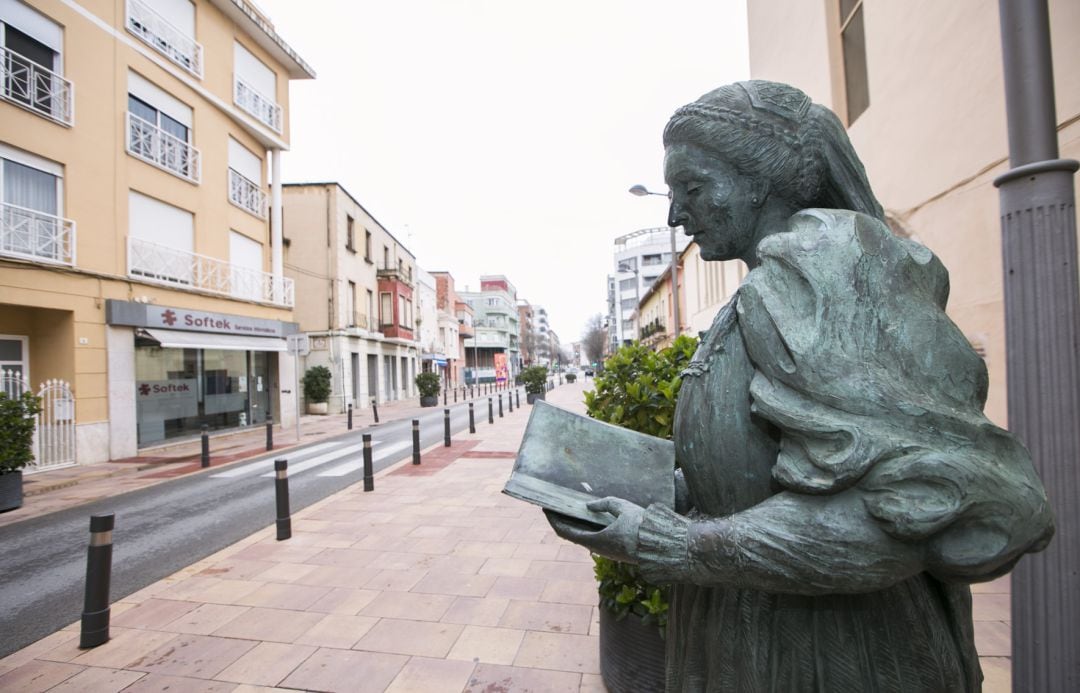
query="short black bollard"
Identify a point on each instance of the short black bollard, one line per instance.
(472, 421)
(444, 397)
(416, 441)
(446, 428)
(281, 489)
(369, 471)
(455, 395)
(510, 401)
(205, 447)
(491, 411)
(269, 435)
(95, 615)
(517, 398)
(375, 410)
(500, 405)
(348, 425)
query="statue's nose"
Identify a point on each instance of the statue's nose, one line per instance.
(676, 215)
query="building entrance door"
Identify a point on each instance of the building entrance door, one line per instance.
(259, 388)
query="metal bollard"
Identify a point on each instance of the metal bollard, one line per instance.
(455, 395)
(517, 397)
(500, 405)
(269, 435)
(281, 491)
(510, 401)
(491, 412)
(472, 421)
(416, 441)
(369, 473)
(205, 446)
(349, 420)
(444, 397)
(95, 615)
(446, 428)
(375, 410)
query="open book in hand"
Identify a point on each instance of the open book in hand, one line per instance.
(567, 460)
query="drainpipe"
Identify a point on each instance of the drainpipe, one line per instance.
(276, 249)
(1042, 330)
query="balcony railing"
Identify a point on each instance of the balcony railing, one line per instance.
(161, 264)
(27, 84)
(246, 194)
(158, 33)
(264, 109)
(34, 235)
(153, 145)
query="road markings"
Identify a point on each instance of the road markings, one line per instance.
(320, 460)
(266, 465)
(378, 453)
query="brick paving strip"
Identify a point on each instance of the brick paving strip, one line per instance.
(433, 582)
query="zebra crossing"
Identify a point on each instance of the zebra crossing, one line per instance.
(320, 457)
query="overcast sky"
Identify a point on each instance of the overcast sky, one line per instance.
(501, 136)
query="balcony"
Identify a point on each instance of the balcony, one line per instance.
(264, 109)
(31, 86)
(397, 273)
(156, 31)
(161, 264)
(153, 145)
(32, 235)
(246, 195)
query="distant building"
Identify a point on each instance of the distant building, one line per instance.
(454, 324)
(639, 259)
(496, 332)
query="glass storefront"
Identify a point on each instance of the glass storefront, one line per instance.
(177, 391)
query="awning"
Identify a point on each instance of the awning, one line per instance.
(179, 339)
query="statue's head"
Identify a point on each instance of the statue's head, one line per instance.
(751, 146)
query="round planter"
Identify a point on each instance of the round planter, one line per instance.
(432, 401)
(532, 397)
(11, 491)
(631, 655)
(319, 408)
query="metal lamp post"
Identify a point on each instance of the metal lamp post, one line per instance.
(642, 191)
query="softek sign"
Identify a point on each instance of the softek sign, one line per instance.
(172, 318)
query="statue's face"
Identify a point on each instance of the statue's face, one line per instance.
(711, 201)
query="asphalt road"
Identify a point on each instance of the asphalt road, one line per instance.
(163, 528)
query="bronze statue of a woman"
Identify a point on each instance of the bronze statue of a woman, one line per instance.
(842, 484)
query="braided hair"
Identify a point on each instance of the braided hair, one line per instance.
(774, 132)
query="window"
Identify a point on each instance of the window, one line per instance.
(367, 245)
(167, 26)
(402, 315)
(255, 88)
(30, 52)
(160, 240)
(350, 305)
(30, 200)
(647, 260)
(350, 234)
(246, 271)
(245, 176)
(386, 308)
(628, 303)
(626, 284)
(385, 257)
(853, 47)
(159, 129)
(370, 305)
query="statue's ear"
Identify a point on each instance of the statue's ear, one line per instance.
(759, 190)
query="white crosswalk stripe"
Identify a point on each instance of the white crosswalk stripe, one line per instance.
(320, 460)
(377, 453)
(268, 465)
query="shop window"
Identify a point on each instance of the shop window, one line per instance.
(853, 48)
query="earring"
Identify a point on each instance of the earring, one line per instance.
(754, 199)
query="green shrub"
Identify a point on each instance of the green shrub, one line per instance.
(535, 379)
(17, 431)
(571, 377)
(428, 384)
(317, 384)
(637, 389)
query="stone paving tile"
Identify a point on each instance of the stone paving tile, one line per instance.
(493, 678)
(153, 614)
(196, 656)
(561, 651)
(337, 630)
(418, 607)
(441, 565)
(124, 649)
(488, 645)
(991, 607)
(266, 664)
(395, 580)
(561, 570)
(522, 588)
(285, 572)
(236, 569)
(337, 576)
(556, 618)
(159, 683)
(283, 596)
(346, 671)
(997, 674)
(516, 567)
(487, 549)
(400, 560)
(39, 648)
(424, 675)
(207, 618)
(570, 592)
(35, 675)
(993, 639)
(279, 552)
(97, 680)
(574, 554)
(211, 590)
(274, 625)
(542, 552)
(347, 557)
(340, 600)
(476, 612)
(420, 638)
(455, 584)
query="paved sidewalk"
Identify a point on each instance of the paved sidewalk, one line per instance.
(433, 582)
(54, 490)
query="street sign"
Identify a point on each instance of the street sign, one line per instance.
(298, 344)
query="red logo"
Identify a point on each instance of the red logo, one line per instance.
(169, 318)
(144, 389)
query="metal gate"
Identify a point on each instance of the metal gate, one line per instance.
(54, 434)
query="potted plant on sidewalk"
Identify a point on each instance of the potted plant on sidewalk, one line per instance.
(428, 385)
(317, 389)
(637, 390)
(535, 380)
(16, 445)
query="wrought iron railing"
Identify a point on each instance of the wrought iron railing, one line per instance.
(153, 145)
(262, 107)
(36, 88)
(246, 195)
(161, 264)
(34, 235)
(158, 33)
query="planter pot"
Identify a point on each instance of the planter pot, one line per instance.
(532, 397)
(11, 491)
(631, 655)
(432, 401)
(319, 408)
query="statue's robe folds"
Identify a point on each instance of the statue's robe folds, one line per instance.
(844, 485)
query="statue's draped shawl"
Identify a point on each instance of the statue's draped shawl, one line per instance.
(872, 386)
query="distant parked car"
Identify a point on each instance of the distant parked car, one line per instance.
(589, 372)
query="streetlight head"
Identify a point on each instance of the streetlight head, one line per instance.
(639, 190)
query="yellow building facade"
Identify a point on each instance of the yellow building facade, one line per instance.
(140, 240)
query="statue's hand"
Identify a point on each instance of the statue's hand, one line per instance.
(617, 541)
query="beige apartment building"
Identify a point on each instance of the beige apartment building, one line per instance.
(920, 87)
(140, 235)
(356, 295)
